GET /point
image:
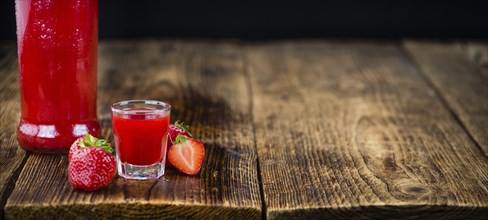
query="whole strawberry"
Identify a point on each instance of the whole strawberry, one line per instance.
(178, 128)
(92, 165)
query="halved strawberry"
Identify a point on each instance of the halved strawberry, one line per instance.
(174, 130)
(186, 155)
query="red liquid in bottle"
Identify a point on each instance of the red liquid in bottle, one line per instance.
(140, 139)
(57, 48)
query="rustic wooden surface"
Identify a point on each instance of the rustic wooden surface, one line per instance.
(293, 130)
(189, 77)
(462, 82)
(11, 156)
(344, 129)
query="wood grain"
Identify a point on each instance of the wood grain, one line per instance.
(327, 129)
(11, 156)
(351, 130)
(206, 86)
(461, 81)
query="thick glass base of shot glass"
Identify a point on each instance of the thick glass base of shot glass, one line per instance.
(135, 172)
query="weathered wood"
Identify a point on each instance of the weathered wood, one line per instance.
(477, 53)
(460, 74)
(352, 130)
(11, 156)
(207, 87)
(343, 130)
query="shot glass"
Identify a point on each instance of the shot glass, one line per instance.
(140, 132)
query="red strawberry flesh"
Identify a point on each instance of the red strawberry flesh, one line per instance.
(187, 155)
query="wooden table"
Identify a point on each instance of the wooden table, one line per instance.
(293, 130)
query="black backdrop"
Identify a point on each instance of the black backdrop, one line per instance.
(252, 19)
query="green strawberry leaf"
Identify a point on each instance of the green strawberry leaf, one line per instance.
(182, 126)
(90, 141)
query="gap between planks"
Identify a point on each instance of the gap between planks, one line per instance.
(246, 62)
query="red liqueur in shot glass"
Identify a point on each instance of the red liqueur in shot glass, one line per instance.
(140, 132)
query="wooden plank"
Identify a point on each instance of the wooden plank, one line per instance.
(206, 85)
(459, 74)
(12, 157)
(477, 53)
(350, 130)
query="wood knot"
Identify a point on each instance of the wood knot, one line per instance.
(413, 190)
(390, 164)
(416, 189)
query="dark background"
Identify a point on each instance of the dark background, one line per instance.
(388, 19)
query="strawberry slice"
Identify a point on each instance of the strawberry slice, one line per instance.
(174, 130)
(186, 155)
